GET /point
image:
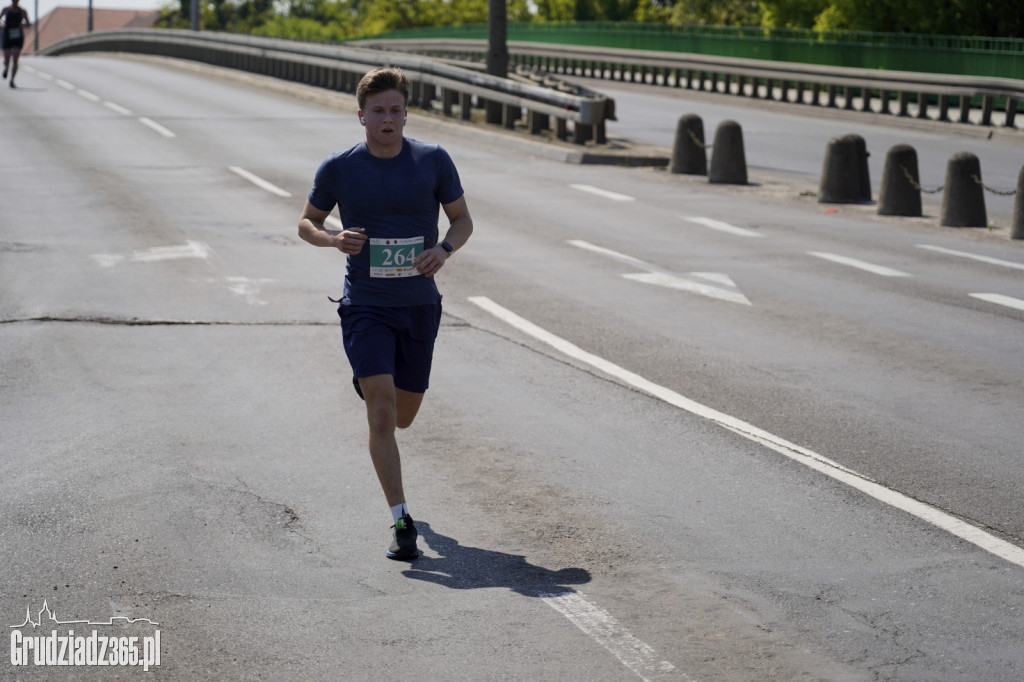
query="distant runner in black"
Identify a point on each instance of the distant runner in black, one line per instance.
(14, 20)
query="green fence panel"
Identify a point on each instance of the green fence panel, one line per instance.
(957, 55)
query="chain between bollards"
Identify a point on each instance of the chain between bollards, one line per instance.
(1001, 193)
(915, 185)
(696, 140)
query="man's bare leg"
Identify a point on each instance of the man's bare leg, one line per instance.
(388, 408)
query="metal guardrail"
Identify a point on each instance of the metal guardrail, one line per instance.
(436, 85)
(957, 99)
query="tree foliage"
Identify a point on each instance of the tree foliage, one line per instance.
(335, 20)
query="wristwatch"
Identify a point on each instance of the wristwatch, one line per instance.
(448, 248)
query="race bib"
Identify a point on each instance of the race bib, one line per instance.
(394, 257)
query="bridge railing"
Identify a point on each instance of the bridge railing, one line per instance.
(565, 112)
(954, 98)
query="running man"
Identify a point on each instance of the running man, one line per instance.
(13, 21)
(389, 189)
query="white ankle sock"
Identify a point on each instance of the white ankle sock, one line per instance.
(398, 511)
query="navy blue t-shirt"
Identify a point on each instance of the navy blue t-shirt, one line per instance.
(394, 198)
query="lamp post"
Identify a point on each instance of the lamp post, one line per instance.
(497, 52)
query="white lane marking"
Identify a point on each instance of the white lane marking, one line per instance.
(259, 182)
(117, 108)
(724, 227)
(88, 95)
(964, 254)
(42, 74)
(1008, 301)
(334, 223)
(191, 249)
(614, 196)
(715, 285)
(862, 265)
(64, 84)
(150, 123)
(602, 627)
(809, 458)
(245, 287)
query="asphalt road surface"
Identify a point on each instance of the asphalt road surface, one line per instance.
(675, 431)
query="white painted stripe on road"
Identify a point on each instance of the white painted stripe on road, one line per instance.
(42, 74)
(1008, 301)
(720, 287)
(333, 223)
(974, 256)
(724, 227)
(191, 249)
(88, 95)
(809, 458)
(150, 123)
(118, 108)
(602, 627)
(862, 265)
(259, 182)
(64, 84)
(614, 196)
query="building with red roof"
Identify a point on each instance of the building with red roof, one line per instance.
(64, 22)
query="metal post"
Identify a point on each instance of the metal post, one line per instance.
(89, 28)
(195, 15)
(497, 52)
(35, 28)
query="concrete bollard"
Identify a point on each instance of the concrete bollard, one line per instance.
(1017, 226)
(688, 152)
(728, 160)
(844, 174)
(900, 193)
(963, 202)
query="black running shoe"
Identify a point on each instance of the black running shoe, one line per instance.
(403, 545)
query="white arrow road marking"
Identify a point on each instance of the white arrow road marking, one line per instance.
(259, 182)
(859, 264)
(191, 249)
(614, 196)
(724, 227)
(1008, 301)
(245, 287)
(964, 254)
(712, 284)
(802, 455)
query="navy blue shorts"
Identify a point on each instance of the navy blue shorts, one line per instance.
(395, 341)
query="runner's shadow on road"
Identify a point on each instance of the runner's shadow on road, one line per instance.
(466, 568)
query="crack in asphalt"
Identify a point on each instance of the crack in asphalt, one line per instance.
(143, 322)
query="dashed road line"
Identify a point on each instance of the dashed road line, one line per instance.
(947, 522)
(150, 123)
(973, 256)
(1000, 299)
(607, 194)
(117, 108)
(859, 264)
(259, 182)
(724, 227)
(92, 97)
